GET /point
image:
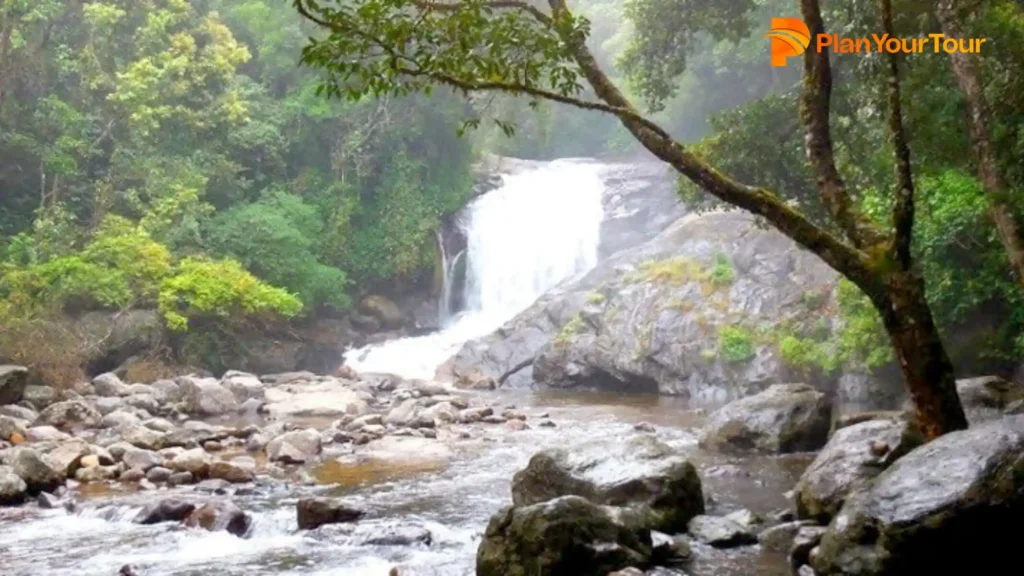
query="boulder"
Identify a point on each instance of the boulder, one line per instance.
(383, 309)
(167, 510)
(328, 397)
(71, 414)
(784, 418)
(947, 507)
(402, 414)
(234, 471)
(167, 390)
(142, 459)
(315, 512)
(146, 402)
(66, 457)
(119, 418)
(205, 396)
(220, 515)
(719, 532)
(160, 474)
(20, 412)
(39, 397)
(10, 426)
(98, 473)
(13, 489)
(853, 456)
(780, 538)
(987, 397)
(195, 461)
(641, 471)
(567, 536)
(109, 385)
(38, 474)
(142, 437)
(243, 385)
(295, 447)
(13, 380)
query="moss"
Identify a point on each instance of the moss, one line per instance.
(722, 273)
(669, 271)
(570, 329)
(735, 344)
(595, 297)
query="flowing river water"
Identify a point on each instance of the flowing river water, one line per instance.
(515, 254)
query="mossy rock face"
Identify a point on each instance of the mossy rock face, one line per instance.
(568, 536)
(643, 473)
(947, 507)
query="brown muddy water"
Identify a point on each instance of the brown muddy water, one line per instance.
(449, 492)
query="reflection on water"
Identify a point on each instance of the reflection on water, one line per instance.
(452, 499)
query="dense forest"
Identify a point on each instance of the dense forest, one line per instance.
(173, 155)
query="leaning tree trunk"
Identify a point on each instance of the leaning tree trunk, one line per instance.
(979, 122)
(926, 367)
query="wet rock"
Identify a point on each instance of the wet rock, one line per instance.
(70, 414)
(220, 515)
(642, 471)
(118, 449)
(167, 510)
(195, 461)
(402, 414)
(853, 456)
(44, 500)
(422, 421)
(745, 518)
(109, 385)
(127, 570)
(719, 532)
(295, 447)
(132, 475)
(407, 450)
(13, 489)
(251, 406)
(315, 512)
(206, 396)
(374, 430)
(517, 425)
(98, 473)
(644, 427)
(13, 380)
(784, 418)
(256, 443)
(66, 458)
(181, 479)
(670, 549)
(922, 515)
(383, 309)
(806, 539)
(779, 538)
(159, 475)
(214, 486)
(142, 437)
(568, 536)
(987, 397)
(142, 459)
(38, 474)
(236, 472)
(547, 424)
(471, 415)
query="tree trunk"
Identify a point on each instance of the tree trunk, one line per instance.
(927, 369)
(968, 77)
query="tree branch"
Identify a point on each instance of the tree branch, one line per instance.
(903, 210)
(493, 4)
(815, 113)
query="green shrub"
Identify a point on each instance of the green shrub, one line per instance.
(222, 290)
(722, 273)
(735, 344)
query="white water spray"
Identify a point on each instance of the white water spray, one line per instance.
(539, 228)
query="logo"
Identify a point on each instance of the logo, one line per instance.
(790, 37)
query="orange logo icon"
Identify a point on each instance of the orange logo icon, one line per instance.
(790, 37)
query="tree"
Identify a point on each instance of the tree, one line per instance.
(979, 121)
(377, 47)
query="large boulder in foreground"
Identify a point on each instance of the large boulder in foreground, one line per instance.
(641, 472)
(785, 418)
(568, 536)
(853, 456)
(949, 507)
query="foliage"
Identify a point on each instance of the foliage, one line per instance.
(735, 344)
(721, 273)
(219, 289)
(570, 329)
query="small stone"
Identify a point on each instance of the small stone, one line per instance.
(47, 501)
(719, 532)
(547, 424)
(493, 419)
(212, 446)
(159, 474)
(180, 478)
(644, 427)
(513, 415)
(132, 475)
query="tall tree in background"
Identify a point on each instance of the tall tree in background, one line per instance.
(400, 46)
(968, 75)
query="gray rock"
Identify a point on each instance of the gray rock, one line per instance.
(368, 419)
(641, 472)
(167, 390)
(39, 397)
(315, 512)
(853, 456)
(220, 515)
(159, 474)
(477, 414)
(46, 501)
(205, 396)
(119, 418)
(159, 424)
(383, 309)
(988, 397)
(13, 380)
(214, 486)
(243, 386)
(146, 402)
(402, 414)
(784, 418)
(142, 437)
(10, 426)
(295, 447)
(108, 405)
(109, 385)
(167, 510)
(195, 461)
(70, 414)
(779, 538)
(38, 474)
(180, 479)
(13, 489)
(719, 532)
(66, 456)
(132, 475)
(922, 515)
(805, 541)
(20, 412)
(98, 473)
(567, 536)
(142, 459)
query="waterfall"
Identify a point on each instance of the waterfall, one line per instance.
(539, 228)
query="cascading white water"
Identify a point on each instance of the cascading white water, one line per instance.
(539, 228)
